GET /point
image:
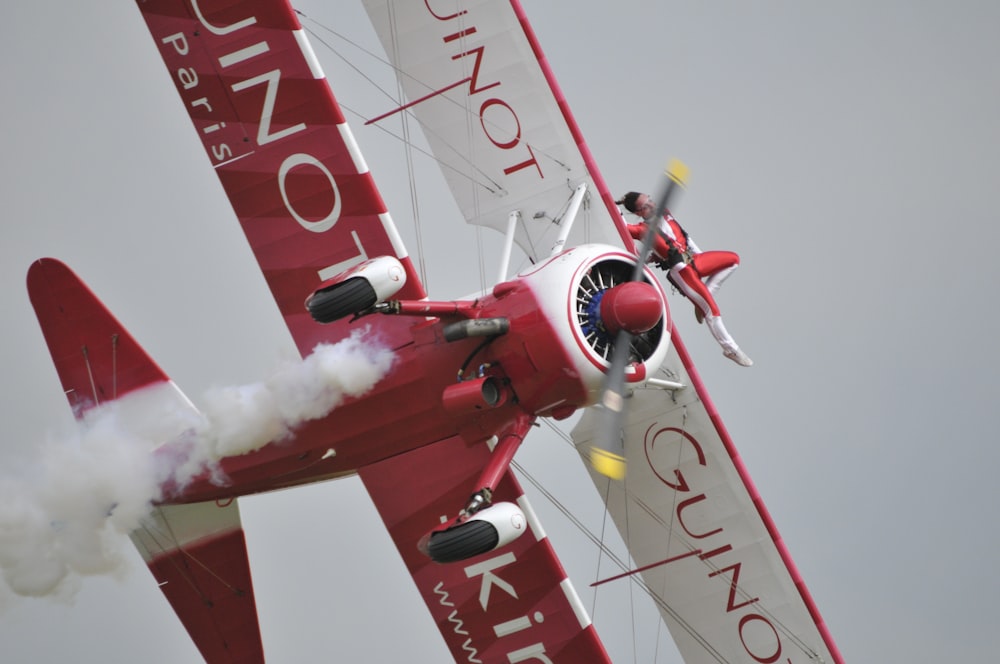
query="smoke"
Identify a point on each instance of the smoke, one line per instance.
(242, 419)
(55, 519)
(63, 516)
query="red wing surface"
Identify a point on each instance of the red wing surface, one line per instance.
(514, 604)
(95, 356)
(196, 552)
(277, 139)
(198, 555)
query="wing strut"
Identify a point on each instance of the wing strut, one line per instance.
(508, 243)
(447, 541)
(566, 223)
(496, 468)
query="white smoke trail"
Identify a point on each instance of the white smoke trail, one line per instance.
(242, 419)
(64, 516)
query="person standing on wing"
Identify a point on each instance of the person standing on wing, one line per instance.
(686, 265)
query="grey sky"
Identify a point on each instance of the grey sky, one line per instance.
(847, 151)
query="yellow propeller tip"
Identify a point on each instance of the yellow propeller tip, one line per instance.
(678, 171)
(607, 463)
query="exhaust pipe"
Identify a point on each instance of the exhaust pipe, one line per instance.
(471, 395)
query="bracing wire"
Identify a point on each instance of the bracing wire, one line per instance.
(621, 564)
(480, 253)
(114, 366)
(483, 180)
(668, 526)
(468, 169)
(471, 173)
(166, 532)
(90, 373)
(475, 176)
(408, 154)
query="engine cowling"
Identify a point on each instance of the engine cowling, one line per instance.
(588, 294)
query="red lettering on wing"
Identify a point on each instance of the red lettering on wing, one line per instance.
(733, 590)
(758, 635)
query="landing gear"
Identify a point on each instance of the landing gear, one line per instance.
(462, 542)
(344, 299)
(488, 529)
(482, 525)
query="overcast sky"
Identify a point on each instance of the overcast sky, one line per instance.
(847, 151)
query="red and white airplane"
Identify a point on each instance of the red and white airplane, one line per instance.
(585, 327)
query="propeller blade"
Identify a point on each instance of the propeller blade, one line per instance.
(674, 176)
(606, 455)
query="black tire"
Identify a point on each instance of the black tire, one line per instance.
(462, 542)
(346, 298)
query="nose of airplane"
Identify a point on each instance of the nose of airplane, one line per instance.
(633, 306)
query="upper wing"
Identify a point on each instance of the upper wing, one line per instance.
(277, 139)
(514, 604)
(495, 119)
(695, 525)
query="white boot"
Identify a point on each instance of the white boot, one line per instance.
(729, 347)
(738, 356)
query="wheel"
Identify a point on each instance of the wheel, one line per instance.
(346, 298)
(464, 541)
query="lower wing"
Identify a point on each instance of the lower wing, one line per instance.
(513, 604)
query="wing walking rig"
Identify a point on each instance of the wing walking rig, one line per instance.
(434, 439)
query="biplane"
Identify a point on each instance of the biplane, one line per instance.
(586, 327)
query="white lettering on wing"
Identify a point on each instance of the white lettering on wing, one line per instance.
(223, 30)
(302, 159)
(271, 80)
(485, 569)
(252, 93)
(498, 119)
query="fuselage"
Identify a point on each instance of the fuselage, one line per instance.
(549, 363)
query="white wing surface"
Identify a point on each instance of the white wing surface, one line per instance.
(476, 80)
(699, 534)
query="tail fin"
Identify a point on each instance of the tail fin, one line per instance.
(198, 555)
(197, 552)
(96, 358)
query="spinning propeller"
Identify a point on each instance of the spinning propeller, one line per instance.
(622, 308)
